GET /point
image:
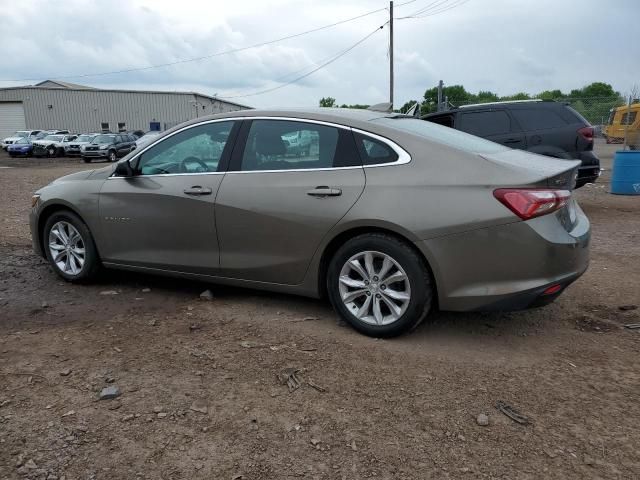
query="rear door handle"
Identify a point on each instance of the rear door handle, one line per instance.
(324, 191)
(198, 190)
(512, 140)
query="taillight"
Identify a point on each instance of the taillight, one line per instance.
(529, 203)
(587, 133)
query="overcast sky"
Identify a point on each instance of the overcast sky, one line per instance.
(506, 46)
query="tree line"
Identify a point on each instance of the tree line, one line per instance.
(593, 100)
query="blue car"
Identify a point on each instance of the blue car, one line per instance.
(22, 147)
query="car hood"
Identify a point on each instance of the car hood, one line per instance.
(11, 139)
(19, 145)
(44, 144)
(74, 177)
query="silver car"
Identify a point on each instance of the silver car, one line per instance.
(388, 216)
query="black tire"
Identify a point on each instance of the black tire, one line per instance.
(52, 151)
(86, 160)
(91, 265)
(113, 156)
(412, 263)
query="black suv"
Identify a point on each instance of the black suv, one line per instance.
(538, 126)
(109, 146)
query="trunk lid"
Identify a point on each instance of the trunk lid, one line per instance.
(534, 170)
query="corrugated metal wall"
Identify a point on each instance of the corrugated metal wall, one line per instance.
(86, 110)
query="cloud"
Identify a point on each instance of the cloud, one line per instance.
(505, 46)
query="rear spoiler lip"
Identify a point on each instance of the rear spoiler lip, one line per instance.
(538, 170)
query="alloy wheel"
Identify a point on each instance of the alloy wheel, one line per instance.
(374, 288)
(67, 248)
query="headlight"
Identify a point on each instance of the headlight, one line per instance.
(34, 200)
(103, 147)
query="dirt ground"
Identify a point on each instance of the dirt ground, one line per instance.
(199, 380)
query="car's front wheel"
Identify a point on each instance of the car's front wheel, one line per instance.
(70, 248)
(112, 156)
(51, 151)
(379, 285)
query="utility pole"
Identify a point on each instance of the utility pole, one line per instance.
(440, 86)
(391, 53)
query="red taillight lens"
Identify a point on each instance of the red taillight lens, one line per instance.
(531, 203)
(587, 133)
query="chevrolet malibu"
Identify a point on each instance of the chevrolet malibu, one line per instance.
(388, 216)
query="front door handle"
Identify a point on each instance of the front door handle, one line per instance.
(324, 191)
(198, 190)
(512, 140)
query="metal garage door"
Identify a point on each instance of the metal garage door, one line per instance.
(11, 118)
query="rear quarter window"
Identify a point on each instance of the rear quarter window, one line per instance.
(484, 124)
(373, 151)
(538, 118)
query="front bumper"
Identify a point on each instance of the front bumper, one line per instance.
(95, 153)
(508, 267)
(13, 151)
(35, 235)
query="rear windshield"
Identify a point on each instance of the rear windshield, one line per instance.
(440, 134)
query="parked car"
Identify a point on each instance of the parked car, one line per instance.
(21, 147)
(147, 138)
(73, 148)
(29, 134)
(392, 216)
(52, 145)
(544, 127)
(110, 146)
(136, 133)
(299, 143)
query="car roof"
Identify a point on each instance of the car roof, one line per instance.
(342, 116)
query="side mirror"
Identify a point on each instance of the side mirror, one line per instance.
(123, 169)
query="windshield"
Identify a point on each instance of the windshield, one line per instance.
(84, 138)
(103, 139)
(21, 134)
(53, 138)
(22, 140)
(441, 134)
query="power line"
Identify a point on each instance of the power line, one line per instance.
(321, 66)
(204, 57)
(435, 8)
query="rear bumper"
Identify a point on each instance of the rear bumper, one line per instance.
(509, 267)
(589, 171)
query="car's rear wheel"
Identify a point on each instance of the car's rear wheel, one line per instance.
(70, 248)
(112, 156)
(379, 285)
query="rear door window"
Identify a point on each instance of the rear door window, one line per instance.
(296, 145)
(485, 123)
(538, 118)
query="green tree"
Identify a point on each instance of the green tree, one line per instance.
(517, 96)
(551, 94)
(355, 105)
(598, 89)
(454, 93)
(327, 102)
(405, 108)
(484, 96)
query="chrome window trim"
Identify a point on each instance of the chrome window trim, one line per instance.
(403, 156)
